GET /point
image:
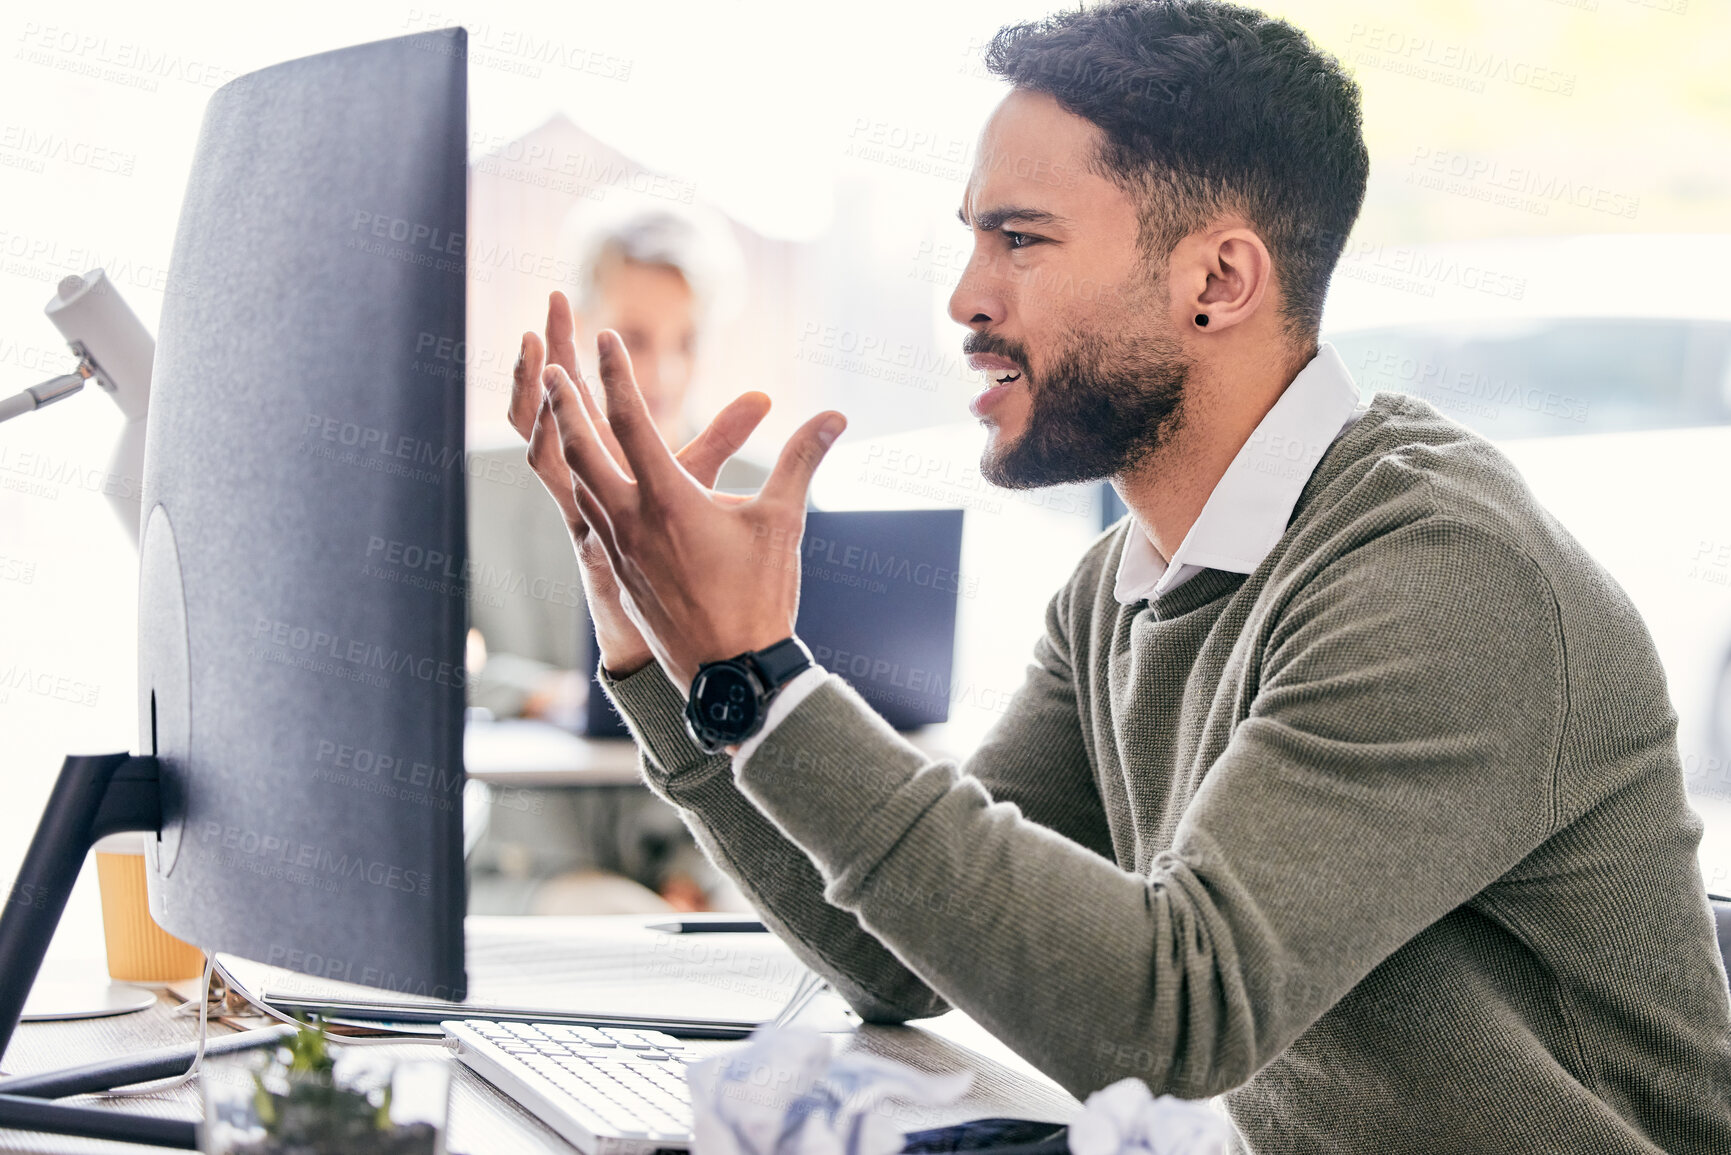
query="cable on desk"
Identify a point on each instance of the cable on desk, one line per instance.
(807, 989)
(159, 1085)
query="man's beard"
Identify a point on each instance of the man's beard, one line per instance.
(1099, 409)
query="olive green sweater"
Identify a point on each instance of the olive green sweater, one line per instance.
(1385, 841)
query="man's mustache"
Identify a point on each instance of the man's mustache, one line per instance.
(991, 343)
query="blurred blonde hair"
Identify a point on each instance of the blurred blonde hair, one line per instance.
(694, 241)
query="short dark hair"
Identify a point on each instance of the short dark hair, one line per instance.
(1208, 106)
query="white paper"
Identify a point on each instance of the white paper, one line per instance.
(1126, 1119)
(784, 1093)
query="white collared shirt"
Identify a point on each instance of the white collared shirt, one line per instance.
(1247, 511)
(1245, 514)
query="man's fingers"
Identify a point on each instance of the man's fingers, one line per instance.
(596, 519)
(562, 334)
(649, 459)
(547, 459)
(705, 454)
(583, 448)
(526, 388)
(800, 458)
(585, 394)
(598, 418)
(559, 309)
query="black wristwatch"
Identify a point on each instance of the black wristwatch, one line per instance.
(730, 698)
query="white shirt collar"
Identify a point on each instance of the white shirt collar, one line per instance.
(1247, 511)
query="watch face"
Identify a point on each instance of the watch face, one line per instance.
(726, 700)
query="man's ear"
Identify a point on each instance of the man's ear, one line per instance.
(1220, 277)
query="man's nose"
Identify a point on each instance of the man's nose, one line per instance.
(977, 301)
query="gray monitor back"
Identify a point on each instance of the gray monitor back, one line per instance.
(301, 614)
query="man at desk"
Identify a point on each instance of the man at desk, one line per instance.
(652, 277)
(1343, 783)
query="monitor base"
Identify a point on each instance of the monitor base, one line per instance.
(64, 1000)
(95, 795)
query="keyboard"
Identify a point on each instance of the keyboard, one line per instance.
(608, 1091)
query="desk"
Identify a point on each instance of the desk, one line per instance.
(544, 802)
(523, 753)
(482, 1120)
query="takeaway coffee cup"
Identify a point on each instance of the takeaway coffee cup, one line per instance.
(139, 951)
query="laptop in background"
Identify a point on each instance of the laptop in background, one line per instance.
(877, 605)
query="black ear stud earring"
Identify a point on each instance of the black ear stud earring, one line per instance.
(1202, 320)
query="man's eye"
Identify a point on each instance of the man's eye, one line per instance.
(1017, 240)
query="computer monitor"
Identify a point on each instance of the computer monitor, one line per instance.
(877, 604)
(301, 633)
(301, 612)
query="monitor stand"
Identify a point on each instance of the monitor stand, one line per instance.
(63, 1000)
(95, 795)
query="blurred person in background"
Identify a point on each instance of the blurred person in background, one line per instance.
(653, 276)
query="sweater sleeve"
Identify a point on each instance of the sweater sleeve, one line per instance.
(1397, 756)
(1033, 756)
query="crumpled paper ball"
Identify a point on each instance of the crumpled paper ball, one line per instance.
(1126, 1119)
(784, 1093)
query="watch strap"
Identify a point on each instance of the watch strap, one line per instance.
(779, 664)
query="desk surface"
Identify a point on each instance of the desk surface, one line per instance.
(521, 752)
(524, 753)
(482, 1120)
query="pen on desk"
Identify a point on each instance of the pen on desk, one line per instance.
(711, 926)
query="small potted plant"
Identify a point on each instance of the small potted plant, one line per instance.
(304, 1101)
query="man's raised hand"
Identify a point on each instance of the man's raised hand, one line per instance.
(703, 576)
(535, 383)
